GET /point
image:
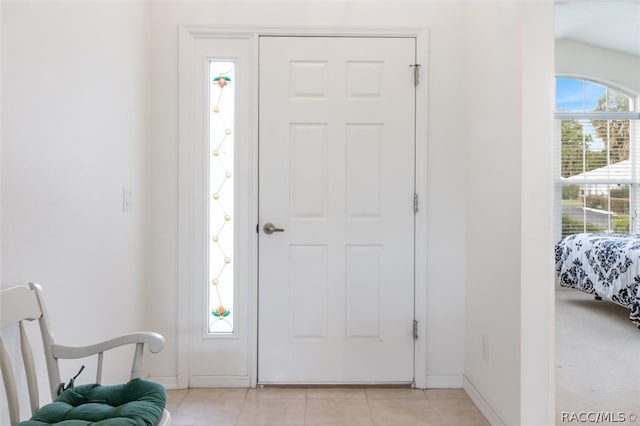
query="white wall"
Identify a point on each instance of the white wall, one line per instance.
(475, 71)
(574, 58)
(445, 331)
(75, 115)
(1, 132)
(94, 106)
(493, 207)
(537, 295)
(509, 233)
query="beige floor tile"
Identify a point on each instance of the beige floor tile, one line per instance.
(454, 403)
(272, 411)
(445, 394)
(386, 393)
(323, 406)
(464, 415)
(452, 408)
(200, 411)
(175, 398)
(337, 412)
(336, 393)
(397, 411)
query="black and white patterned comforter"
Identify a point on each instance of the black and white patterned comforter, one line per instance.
(604, 264)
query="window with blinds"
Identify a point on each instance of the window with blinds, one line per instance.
(597, 173)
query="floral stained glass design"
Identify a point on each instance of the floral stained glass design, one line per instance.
(221, 187)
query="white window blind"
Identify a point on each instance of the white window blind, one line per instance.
(597, 144)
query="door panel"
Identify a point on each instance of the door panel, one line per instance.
(337, 164)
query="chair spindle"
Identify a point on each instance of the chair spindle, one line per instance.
(30, 369)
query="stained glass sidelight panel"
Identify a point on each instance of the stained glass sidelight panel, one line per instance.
(221, 193)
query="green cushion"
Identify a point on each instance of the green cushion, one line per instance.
(137, 403)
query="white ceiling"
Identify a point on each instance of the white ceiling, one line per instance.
(609, 24)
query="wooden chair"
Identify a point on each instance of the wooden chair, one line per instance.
(21, 303)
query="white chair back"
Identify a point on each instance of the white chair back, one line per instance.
(20, 304)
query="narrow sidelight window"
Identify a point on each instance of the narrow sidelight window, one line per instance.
(221, 193)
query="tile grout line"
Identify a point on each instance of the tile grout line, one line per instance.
(244, 401)
(183, 399)
(370, 397)
(306, 398)
(366, 398)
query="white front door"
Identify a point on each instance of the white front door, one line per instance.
(337, 161)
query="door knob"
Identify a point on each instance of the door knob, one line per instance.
(270, 228)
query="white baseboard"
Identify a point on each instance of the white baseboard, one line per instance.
(169, 382)
(481, 403)
(219, 382)
(444, 382)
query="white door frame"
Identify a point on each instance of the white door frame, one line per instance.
(188, 35)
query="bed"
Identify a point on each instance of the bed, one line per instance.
(606, 265)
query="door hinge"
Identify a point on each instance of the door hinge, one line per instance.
(416, 73)
(415, 329)
(416, 204)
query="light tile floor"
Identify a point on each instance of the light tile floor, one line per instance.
(323, 406)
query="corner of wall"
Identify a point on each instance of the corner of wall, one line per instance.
(537, 230)
(485, 408)
(508, 348)
(1, 145)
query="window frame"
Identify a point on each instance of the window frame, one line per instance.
(634, 154)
